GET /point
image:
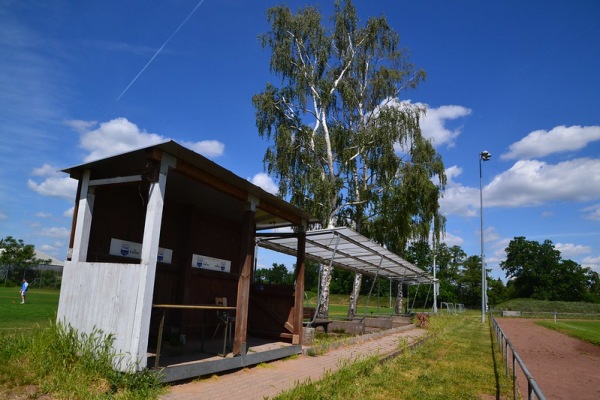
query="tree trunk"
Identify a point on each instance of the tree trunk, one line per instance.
(354, 295)
(399, 299)
(323, 307)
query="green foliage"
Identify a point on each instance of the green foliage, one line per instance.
(537, 271)
(335, 122)
(311, 275)
(459, 275)
(17, 259)
(58, 362)
(278, 274)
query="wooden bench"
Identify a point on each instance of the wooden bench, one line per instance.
(308, 312)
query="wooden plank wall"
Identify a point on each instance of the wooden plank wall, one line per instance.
(101, 296)
(196, 232)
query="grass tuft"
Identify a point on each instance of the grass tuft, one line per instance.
(55, 360)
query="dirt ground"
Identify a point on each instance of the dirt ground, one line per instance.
(563, 367)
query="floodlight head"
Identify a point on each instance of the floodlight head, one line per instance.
(485, 155)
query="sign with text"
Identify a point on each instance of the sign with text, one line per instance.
(124, 248)
(210, 263)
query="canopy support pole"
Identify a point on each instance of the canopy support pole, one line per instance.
(416, 293)
(372, 286)
(427, 297)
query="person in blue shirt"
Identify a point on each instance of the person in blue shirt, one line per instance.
(24, 287)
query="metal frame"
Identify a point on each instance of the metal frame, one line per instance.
(352, 251)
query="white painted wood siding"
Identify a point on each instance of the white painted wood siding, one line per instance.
(104, 296)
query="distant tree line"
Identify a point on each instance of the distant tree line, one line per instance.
(17, 261)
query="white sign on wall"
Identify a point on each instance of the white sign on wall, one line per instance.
(124, 248)
(210, 263)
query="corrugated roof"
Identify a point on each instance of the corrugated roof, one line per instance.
(349, 250)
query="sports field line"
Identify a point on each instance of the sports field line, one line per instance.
(576, 327)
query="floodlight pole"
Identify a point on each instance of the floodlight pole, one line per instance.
(483, 156)
(435, 310)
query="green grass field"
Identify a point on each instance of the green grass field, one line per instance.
(40, 308)
(588, 331)
(459, 362)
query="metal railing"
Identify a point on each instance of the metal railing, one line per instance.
(533, 390)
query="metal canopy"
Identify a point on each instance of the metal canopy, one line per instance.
(346, 249)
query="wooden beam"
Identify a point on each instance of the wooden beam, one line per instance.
(210, 180)
(74, 221)
(149, 254)
(243, 293)
(278, 212)
(116, 180)
(84, 220)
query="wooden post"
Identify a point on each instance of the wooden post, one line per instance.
(299, 289)
(243, 293)
(149, 254)
(84, 220)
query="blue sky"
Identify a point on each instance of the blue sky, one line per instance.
(85, 79)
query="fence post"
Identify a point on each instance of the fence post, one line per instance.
(506, 359)
(514, 368)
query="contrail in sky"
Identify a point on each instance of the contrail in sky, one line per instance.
(160, 49)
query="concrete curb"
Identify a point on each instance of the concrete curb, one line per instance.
(358, 339)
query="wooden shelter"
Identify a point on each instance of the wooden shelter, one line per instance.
(159, 235)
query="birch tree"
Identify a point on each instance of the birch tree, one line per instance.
(344, 147)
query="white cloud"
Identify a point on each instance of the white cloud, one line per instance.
(69, 213)
(527, 183)
(451, 173)
(120, 135)
(452, 240)
(560, 139)
(433, 124)
(460, 200)
(490, 234)
(81, 126)
(114, 137)
(570, 250)
(64, 188)
(495, 253)
(593, 212)
(46, 170)
(265, 182)
(592, 263)
(56, 232)
(208, 148)
(103, 140)
(533, 182)
(42, 214)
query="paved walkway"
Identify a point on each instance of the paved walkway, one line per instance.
(278, 376)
